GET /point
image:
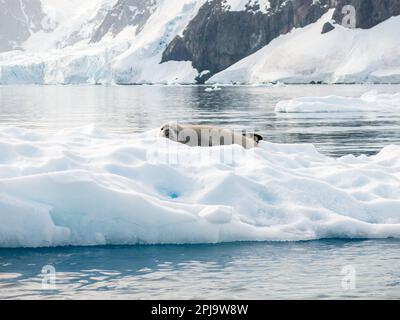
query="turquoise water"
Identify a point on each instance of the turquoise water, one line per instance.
(320, 269)
(228, 271)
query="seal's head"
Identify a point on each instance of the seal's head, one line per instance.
(170, 131)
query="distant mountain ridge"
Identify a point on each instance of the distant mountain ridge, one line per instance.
(184, 41)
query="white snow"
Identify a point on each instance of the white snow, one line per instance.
(370, 101)
(85, 186)
(305, 55)
(240, 5)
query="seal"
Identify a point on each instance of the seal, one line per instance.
(208, 136)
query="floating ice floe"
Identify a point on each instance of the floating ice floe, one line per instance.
(85, 186)
(370, 101)
(215, 87)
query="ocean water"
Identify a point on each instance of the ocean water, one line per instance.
(325, 269)
(320, 269)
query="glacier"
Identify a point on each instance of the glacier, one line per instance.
(67, 56)
(100, 188)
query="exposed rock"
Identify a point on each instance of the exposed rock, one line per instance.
(180, 51)
(368, 12)
(327, 28)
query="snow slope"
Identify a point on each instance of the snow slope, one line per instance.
(67, 56)
(305, 55)
(141, 62)
(101, 188)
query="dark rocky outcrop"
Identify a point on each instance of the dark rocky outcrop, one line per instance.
(125, 13)
(216, 38)
(327, 27)
(369, 13)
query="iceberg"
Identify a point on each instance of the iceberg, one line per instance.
(86, 186)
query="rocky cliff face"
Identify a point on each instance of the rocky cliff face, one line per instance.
(218, 37)
(369, 13)
(17, 20)
(125, 13)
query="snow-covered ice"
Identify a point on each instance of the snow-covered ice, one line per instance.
(370, 101)
(85, 186)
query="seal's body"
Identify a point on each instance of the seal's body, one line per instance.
(208, 136)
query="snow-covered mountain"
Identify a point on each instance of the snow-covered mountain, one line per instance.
(125, 13)
(233, 29)
(102, 41)
(18, 19)
(307, 56)
(189, 41)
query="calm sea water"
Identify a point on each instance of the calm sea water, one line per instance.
(318, 269)
(139, 108)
